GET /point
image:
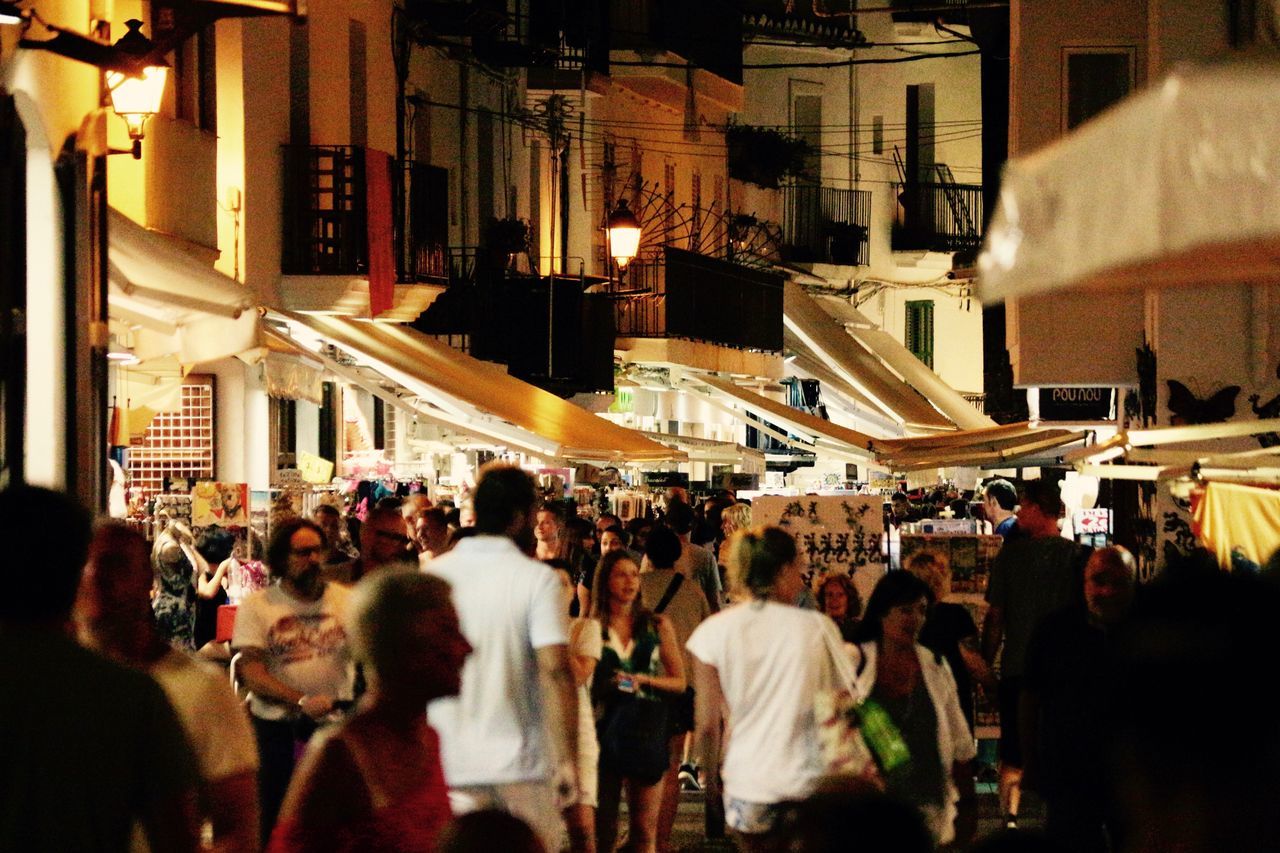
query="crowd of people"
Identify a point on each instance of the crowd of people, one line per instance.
(564, 663)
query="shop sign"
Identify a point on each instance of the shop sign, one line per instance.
(666, 479)
(740, 482)
(1077, 404)
(314, 469)
(1097, 520)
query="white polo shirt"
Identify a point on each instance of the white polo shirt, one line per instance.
(509, 605)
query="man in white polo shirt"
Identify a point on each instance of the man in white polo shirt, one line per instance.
(494, 734)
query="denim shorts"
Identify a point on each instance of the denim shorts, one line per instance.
(752, 818)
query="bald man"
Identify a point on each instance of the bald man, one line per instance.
(1064, 703)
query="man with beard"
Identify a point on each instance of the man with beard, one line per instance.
(494, 734)
(295, 658)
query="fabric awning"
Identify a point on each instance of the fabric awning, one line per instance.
(709, 450)
(173, 303)
(903, 362)
(820, 434)
(1011, 445)
(483, 397)
(1177, 184)
(814, 329)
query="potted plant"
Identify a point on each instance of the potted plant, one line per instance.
(765, 157)
(506, 238)
(845, 238)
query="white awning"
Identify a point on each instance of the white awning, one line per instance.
(475, 396)
(825, 337)
(1008, 446)
(173, 303)
(814, 433)
(1178, 184)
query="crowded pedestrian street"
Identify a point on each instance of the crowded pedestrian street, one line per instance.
(579, 426)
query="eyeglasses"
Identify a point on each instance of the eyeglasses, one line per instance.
(306, 552)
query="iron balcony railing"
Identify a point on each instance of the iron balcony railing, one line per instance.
(421, 200)
(938, 217)
(326, 215)
(325, 227)
(703, 299)
(826, 225)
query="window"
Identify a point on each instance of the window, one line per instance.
(669, 209)
(919, 331)
(284, 432)
(806, 125)
(877, 134)
(379, 424)
(196, 80)
(358, 90)
(695, 236)
(1093, 79)
(177, 444)
(327, 445)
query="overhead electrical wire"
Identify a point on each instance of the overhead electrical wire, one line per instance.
(835, 63)
(600, 130)
(719, 149)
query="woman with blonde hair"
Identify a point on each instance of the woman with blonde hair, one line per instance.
(732, 519)
(375, 782)
(762, 659)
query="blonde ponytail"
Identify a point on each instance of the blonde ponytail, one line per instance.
(756, 558)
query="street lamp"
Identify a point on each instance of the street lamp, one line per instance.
(624, 234)
(136, 97)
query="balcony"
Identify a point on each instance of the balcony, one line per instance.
(509, 318)
(938, 217)
(325, 251)
(800, 23)
(826, 225)
(698, 298)
(927, 11)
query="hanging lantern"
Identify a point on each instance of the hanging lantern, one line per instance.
(624, 234)
(136, 97)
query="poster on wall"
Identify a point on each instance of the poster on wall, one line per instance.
(221, 504)
(838, 533)
(967, 556)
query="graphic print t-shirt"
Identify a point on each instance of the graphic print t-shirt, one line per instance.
(305, 642)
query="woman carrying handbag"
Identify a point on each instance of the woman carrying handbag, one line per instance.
(765, 661)
(640, 668)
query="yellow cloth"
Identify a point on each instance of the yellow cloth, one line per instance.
(1232, 518)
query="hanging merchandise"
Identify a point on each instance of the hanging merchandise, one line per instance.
(220, 504)
(1241, 524)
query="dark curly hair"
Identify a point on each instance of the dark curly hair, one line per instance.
(281, 535)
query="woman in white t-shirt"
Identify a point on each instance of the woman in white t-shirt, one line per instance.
(762, 659)
(585, 647)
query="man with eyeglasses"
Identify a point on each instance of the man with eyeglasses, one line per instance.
(295, 657)
(384, 539)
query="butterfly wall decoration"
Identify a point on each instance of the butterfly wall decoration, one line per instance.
(1186, 408)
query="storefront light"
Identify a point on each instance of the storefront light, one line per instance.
(136, 97)
(624, 234)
